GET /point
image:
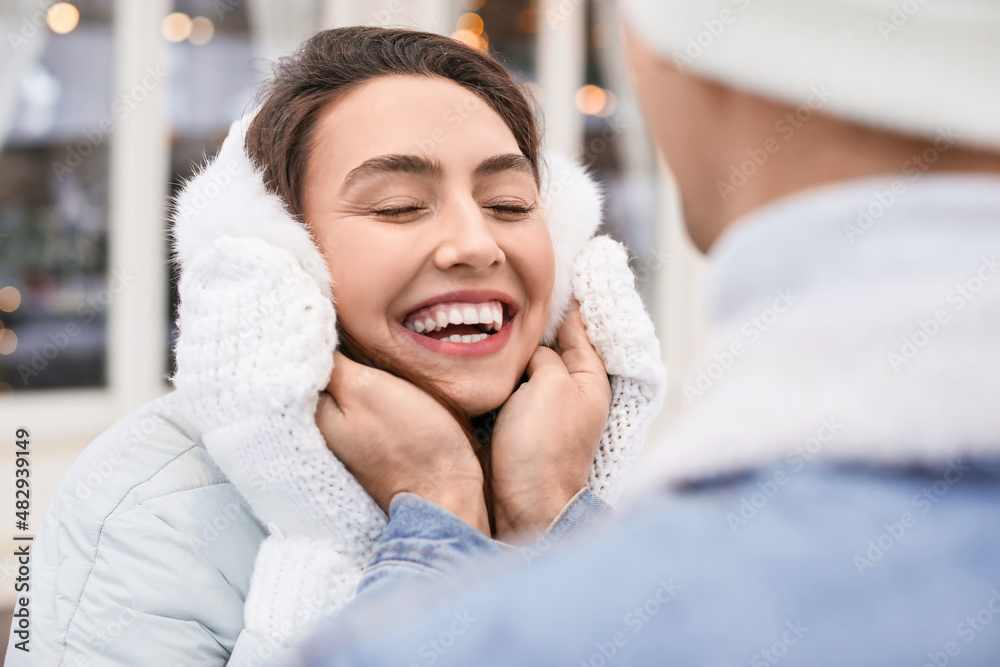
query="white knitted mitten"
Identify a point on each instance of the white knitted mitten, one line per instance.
(622, 333)
(254, 353)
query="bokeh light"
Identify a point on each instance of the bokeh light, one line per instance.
(8, 341)
(610, 104)
(202, 30)
(176, 27)
(62, 17)
(10, 299)
(590, 99)
(527, 21)
(472, 22)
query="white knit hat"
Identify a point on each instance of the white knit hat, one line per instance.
(921, 67)
(257, 336)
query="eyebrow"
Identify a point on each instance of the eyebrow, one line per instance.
(421, 166)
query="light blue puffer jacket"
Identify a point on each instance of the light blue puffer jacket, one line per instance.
(142, 505)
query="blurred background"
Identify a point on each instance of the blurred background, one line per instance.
(107, 106)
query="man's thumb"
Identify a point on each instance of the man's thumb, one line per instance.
(578, 354)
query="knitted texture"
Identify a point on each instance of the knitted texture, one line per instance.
(623, 335)
(255, 351)
(296, 580)
(257, 336)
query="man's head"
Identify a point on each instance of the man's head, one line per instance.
(752, 100)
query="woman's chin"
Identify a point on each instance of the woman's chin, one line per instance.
(479, 407)
(477, 397)
(475, 401)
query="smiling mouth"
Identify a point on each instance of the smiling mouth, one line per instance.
(459, 322)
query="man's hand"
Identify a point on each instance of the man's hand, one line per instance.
(395, 438)
(547, 432)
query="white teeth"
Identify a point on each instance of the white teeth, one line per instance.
(470, 338)
(439, 316)
(442, 319)
(486, 314)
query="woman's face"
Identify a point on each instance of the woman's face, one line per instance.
(428, 216)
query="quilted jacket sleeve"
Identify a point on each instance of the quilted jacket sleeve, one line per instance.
(148, 566)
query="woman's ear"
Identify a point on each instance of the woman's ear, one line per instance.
(572, 204)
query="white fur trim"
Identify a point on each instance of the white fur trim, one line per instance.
(227, 197)
(572, 202)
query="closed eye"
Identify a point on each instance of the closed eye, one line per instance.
(398, 211)
(510, 211)
(505, 211)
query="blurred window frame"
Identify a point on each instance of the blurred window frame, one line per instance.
(61, 419)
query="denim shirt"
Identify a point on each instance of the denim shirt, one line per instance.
(423, 541)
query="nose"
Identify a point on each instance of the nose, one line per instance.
(467, 239)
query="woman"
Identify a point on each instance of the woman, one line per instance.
(398, 175)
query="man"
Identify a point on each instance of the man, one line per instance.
(833, 496)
